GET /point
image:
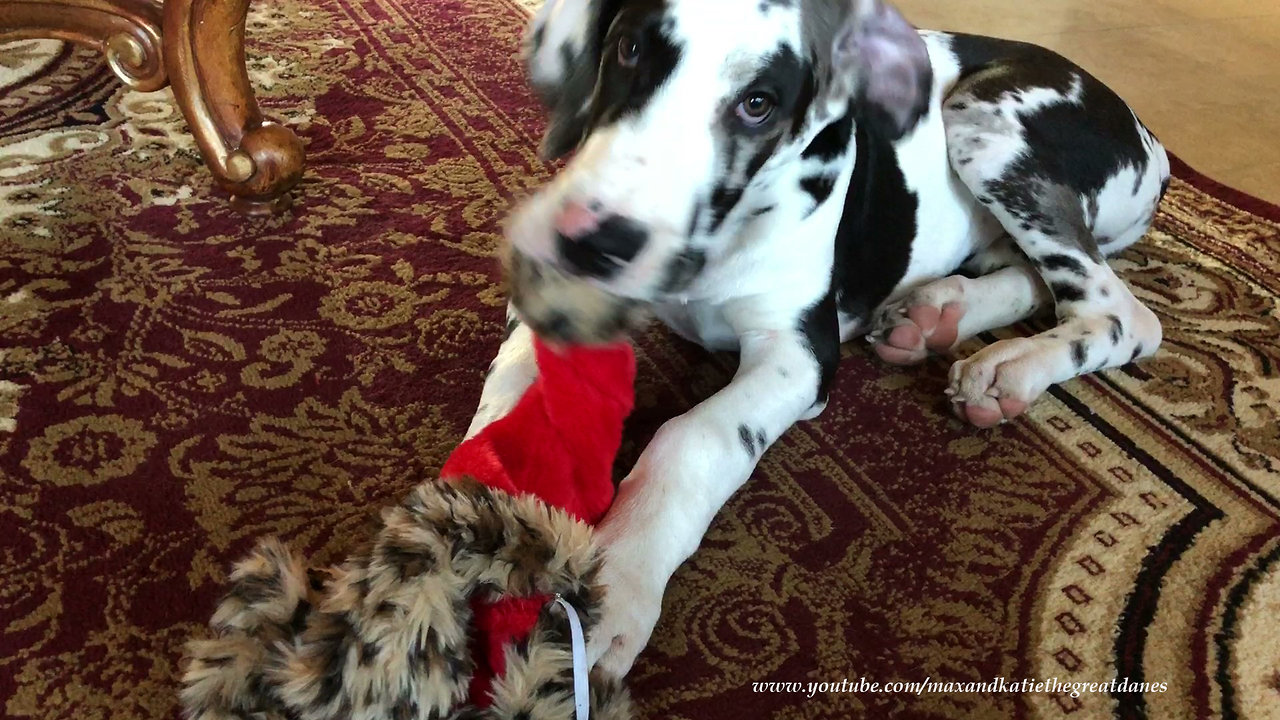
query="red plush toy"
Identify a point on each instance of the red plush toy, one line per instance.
(449, 611)
(557, 444)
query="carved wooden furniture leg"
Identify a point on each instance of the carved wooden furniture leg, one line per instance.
(198, 47)
(256, 160)
(126, 31)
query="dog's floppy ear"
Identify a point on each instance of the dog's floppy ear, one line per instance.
(880, 62)
(562, 53)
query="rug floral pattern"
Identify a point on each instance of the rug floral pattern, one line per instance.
(176, 380)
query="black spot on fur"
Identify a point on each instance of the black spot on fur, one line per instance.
(257, 588)
(369, 653)
(993, 69)
(1137, 184)
(315, 579)
(693, 221)
(487, 533)
(553, 688)
(564, 98)
(615, 323)
(1078, 353)
(748, 440)
(763, 152)
(556, 325)
(332, 647)
(877, 227)
(408, 562)
(1056, 261)
(432, 639)
(818, 186)
(406, 708)
(1117, 329)
(622, 90)
(723, 200)
(535, 41)
(820, 325)
(733, 147)
(219, 660)
(458, 666)
(789, 79)
(683, 269)
(1091, 209)
(757, 212)
(1064, 292)
(298, 622)
(832, 141)
(1136, 352)
(426, 653)
(602, 252)
(513, 322)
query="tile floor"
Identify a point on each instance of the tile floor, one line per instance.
(1204, 75)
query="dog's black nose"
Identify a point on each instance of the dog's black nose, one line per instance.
(602, 251)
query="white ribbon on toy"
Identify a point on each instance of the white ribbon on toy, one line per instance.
(581, 691)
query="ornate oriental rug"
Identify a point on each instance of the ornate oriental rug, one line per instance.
(176, 380)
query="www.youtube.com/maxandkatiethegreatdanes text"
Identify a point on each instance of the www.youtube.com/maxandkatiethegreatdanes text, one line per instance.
(1051, 686)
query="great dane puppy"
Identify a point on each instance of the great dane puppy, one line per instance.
(779, 176)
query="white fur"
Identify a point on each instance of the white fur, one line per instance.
(561, 22)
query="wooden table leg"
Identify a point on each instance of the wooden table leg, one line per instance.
(256, 160)
(200, 52)
(126, 31)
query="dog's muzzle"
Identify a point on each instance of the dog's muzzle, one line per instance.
(564, 307)
(603, 252)
(593, 244)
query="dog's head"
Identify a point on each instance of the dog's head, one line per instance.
(681, 112)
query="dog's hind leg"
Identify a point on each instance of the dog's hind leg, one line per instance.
(1072, 175)
(938, 315)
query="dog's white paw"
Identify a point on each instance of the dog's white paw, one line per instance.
(925, 320)
(632, 604)
(998, 382)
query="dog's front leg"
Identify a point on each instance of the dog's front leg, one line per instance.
(510, 374)
(693, 465)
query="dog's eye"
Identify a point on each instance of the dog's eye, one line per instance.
(756, 108)
(628, 51)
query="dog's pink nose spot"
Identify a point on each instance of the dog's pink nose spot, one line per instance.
(576, 220)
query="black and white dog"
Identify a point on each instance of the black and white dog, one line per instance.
(779, 176)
